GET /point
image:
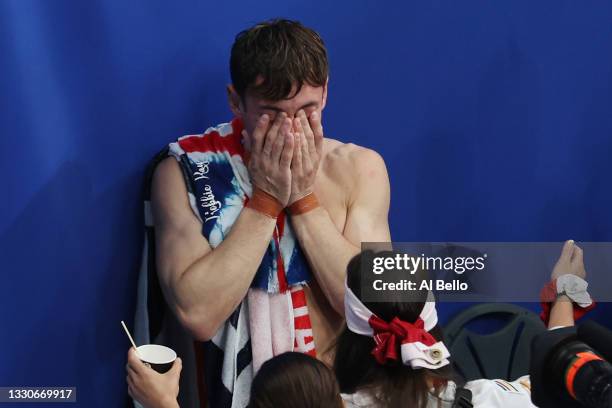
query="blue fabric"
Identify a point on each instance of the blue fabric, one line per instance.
(493, 119)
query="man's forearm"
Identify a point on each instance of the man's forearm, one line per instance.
(327, 250)
(213, 286)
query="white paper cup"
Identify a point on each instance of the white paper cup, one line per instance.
(160, 358)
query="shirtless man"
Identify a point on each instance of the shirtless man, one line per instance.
(280, 94)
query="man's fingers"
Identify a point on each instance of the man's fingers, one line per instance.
(306, 157)
(301, 147)
(296, 161)
(287, 154)
(317, 130)
(259, 134)
(307, 132)
(301, 115)
(272, 135)
(277, 148)
(568, 250)
(297, 124)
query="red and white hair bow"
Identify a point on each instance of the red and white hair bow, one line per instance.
(419, 349)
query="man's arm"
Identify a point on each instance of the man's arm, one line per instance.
(204, 286)
(329, 250)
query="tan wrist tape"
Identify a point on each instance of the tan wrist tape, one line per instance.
(304, 204)
(264, 203)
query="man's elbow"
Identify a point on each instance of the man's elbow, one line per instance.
(201, 326)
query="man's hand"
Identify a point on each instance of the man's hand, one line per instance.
(570, 262)
(271, 153)
(306, 154)
(150, 388)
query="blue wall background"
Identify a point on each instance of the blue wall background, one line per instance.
(494, 119)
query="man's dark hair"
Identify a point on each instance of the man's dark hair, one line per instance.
(283, 53)
(294, 380)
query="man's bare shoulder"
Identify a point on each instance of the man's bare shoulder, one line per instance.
(167, 178)
(169, 194)
(349, 159)
(167, 170)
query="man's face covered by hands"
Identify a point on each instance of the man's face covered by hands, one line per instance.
(251, 107)
(285, 139)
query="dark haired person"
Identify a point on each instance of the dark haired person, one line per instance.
(391, 354)
(255, 220)
(295, 380)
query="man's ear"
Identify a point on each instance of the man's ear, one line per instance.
(234, 101)
(324, 94)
